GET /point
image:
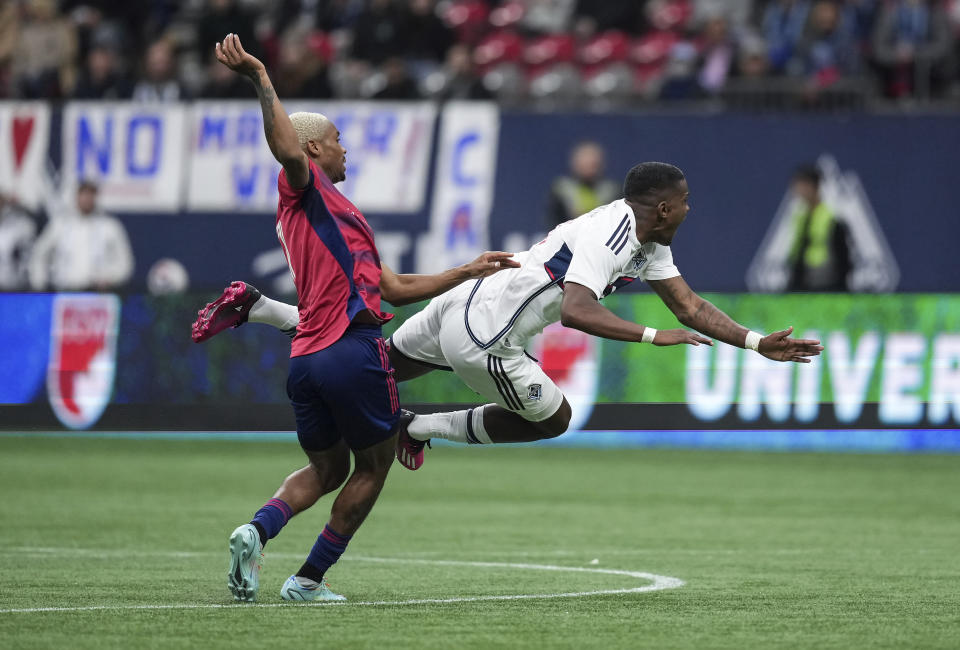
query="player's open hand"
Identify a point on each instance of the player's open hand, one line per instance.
(489, 263)
(231, 54)
(679, 336)
(780, 347)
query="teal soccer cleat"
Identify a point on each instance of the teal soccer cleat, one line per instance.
(246, 556)
(292, 590)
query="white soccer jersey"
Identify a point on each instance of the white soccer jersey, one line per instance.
(599, 250)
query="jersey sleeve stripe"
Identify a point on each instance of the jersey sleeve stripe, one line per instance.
(620, 243)
(621, 240)
(616, 232)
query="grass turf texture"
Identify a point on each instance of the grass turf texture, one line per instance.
(778, 550)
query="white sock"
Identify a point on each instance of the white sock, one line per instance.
(273, 312)
(451, 426)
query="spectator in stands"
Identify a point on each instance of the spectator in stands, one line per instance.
(82, 250)
(584, 188)
(378, 34)
(159, 82)
(827, 51)
(680, 81)
(426, 37)
(820, 256)
(301, 67)
(399, 84)
(911, 43)
(736, 12)
(43, 60)
(753, 63)
(716, 55)
(461, 80)
(783, 26)
(101, 77)
(18, 230)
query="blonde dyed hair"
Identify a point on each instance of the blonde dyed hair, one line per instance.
(309, 126)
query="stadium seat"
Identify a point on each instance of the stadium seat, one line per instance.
(556, 86)
(507, 15)
(549, 51)
(604, 49)
(652, 49)
(498, 48)
(669, 14)
(507, 82)
(614, 83)
(468, 18)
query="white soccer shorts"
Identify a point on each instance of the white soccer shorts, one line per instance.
(437, 336)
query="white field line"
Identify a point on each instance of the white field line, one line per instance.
(656, 583)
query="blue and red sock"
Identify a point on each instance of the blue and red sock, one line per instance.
(269, 519)
(328, 548)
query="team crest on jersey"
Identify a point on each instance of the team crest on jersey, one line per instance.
(533, 393)
(83, 355)
(638, 261)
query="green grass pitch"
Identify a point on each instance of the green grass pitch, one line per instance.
(775, 550)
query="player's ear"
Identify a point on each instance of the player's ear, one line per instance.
(662, 209)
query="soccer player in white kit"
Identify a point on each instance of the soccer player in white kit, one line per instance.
(480, 330)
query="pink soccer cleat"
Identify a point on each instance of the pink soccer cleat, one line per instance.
(231, 309)
(409, 450)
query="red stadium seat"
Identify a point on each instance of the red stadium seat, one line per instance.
(468, 18)
(652, 49)
(498, 48)
(508, 14)
(669, 14)
(603, 50)
(548, 51)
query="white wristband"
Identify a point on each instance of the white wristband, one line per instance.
(753, 341)
(648, 334)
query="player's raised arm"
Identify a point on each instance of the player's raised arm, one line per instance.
(405, 288)
(281, 137)
(693, 311)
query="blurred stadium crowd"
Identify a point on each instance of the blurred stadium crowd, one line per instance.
(546, 53)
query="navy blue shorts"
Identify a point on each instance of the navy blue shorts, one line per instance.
(345, 392)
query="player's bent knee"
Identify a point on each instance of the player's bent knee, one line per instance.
(558, 423)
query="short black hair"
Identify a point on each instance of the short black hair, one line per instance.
(809, 173)
(650, 177)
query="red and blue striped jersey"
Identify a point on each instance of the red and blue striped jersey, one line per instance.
(333, 259)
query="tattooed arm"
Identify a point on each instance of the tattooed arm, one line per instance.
(699, 314)
(282, 139)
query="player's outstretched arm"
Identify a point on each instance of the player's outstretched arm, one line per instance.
(582, 311)
(282, 139)
(405, 288)
(693, 311)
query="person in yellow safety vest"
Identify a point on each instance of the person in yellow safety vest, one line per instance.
(820, 253)
(583, 189)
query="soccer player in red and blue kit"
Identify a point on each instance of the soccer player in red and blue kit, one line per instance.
(341, 383)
